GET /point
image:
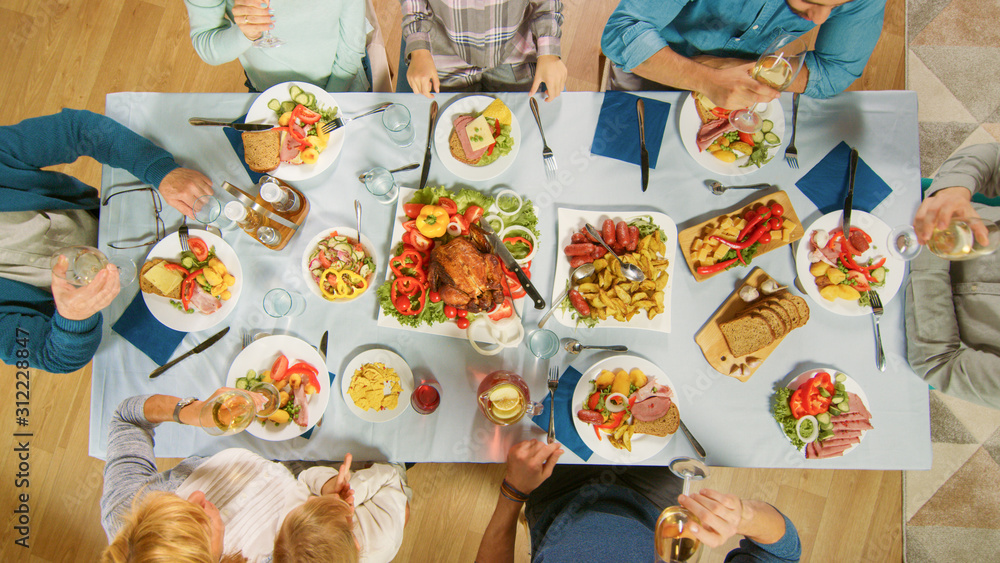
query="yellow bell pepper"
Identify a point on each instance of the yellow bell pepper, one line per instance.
(346, 284)
(432, 221)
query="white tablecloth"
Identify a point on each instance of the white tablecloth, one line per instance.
(731, 419)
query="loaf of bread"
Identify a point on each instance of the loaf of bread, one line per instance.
(663, 426)
(262, 149)
(765, 321)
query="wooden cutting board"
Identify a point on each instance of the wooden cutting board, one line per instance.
(686, 237)
(713, 343)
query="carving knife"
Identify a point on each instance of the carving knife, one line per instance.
(501, 251)
(199, 348)
(849, 200)
(237, 126)
(640, 108)
(427, 155)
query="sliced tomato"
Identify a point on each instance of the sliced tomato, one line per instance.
(462, 223)
(473, 213)
(593, 400)
(502, 311)
(860, 281)
(307, 115)
(420, 242)
(199, 248)
(412, 210)
(747, 138)
(410, 226)
(448, 204)
(279, 367)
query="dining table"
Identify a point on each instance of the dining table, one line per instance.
(731, 419)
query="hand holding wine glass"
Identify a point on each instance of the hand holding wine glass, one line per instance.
(720, 515)
(77, 303)
(253, 17)
(777, 67)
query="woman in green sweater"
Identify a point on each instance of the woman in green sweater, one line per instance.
(46, 323)
(324, 41)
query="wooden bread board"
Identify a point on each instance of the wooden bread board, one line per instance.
(713, 344)
(686, 237)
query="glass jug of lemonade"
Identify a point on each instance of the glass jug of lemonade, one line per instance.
(504, 398)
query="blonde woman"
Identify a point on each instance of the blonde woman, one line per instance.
(234, 503)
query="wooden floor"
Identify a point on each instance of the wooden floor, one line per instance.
(63, 53)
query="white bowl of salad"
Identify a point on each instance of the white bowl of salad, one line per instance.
(276, 105)
(336, 267)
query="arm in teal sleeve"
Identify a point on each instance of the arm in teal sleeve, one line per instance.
(215, 38)
(632, 33)
(55, 345)
(844, 43)
(351, 48)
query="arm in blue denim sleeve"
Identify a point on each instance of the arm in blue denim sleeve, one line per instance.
(632, 33)
(843, 46)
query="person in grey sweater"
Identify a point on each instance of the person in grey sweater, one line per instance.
(953, 308)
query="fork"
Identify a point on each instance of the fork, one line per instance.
(182, 233)
(337, 122)
(876, 305)
(553, 382)
(547, 157)
(246, 338)
(792, 155)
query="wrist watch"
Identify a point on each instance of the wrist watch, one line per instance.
(180, 405)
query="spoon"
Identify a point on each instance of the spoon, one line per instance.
(576, 276)
(357, 213)
(630, 271)
(718, 189)
(361, 177)
(575, 347)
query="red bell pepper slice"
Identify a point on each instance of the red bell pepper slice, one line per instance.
(616, 420)
(176, 267)
(187, 287)
(796, 403)
(747, 138)
(595, 398)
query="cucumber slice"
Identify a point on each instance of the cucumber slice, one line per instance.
(766, 126)
(834, 411)
(242, 383)
(274, 105)
(771, 138)
(312, 99)
(837, 399)
(823, 418)
(302, 98)
(294, 91)
(841, 378)
(823, 392)
(187, 262)
(287, 106)
(825, 434)
(758, 138)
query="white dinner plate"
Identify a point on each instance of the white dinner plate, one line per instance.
(689, 123)
(259, 356)
(260, 113)
(644, 446)
(879, 231)
(391, 360)
(170, 249)
(850, 386)
(571, 221)
(351, 232)
(465, 104)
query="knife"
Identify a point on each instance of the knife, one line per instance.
(849, 200)
(322, 344)
(199, 348)
(640, 107)
(427, 155)
(238, 126)
(501, 251)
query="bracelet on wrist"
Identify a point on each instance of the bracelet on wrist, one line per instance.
(511, 493)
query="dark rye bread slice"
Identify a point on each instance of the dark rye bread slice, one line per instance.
(457, 151)
(746, 334)
(147, 287)
(790, 308)
(663, 426)
(777, 308)
(803, 307)
(774, 322)
(262, 150)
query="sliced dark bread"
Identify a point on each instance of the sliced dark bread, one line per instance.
(802, 306)
(775, 306)
(746, 334)
(147, 286)
(262, 149)
(663, 426)
(790, 308)
(457, 151)
(774, 322)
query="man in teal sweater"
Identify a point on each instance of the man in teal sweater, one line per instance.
(45, 323)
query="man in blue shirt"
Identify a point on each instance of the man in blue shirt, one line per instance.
(568, 506)
(710, 46)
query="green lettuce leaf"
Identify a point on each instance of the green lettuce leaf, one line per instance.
(783, 414)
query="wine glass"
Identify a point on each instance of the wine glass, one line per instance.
(674, 540)
(266, 40)
(777, 67)
(85, 262)
(232, 411)
(956, 242)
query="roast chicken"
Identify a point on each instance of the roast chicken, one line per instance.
(466, 273)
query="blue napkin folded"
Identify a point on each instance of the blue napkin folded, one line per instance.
(566, 433)
(617, 133)
(150, 336)
(308, 433)
(236, 139)
(826, 184)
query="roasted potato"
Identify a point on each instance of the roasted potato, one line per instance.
(279, 416)
(819, 269)
(848, 292)
(621, 383)
(604, 379)
(638, 377)
(835, 275)
(830, 292)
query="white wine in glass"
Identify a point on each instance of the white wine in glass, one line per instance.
(229, 413)
(674, 541)
(83, 263)
(956, 242)
(777, 67)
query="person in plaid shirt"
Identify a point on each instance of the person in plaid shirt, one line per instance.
(483, 45)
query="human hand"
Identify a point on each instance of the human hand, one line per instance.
(79, 303)
(938, 210)
(552, 71)
(529, 463)
(422, 74)
(341, 484)
(733, 88)
(253, 17)
(720, 515)
(182, 187)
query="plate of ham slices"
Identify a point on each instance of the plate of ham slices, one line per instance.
(697, 134)
(455, 116)
(849, 427)
(259, 356)
(651, 398)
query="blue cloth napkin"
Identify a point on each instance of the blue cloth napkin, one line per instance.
(236, 139)
(150, 336)
(617, 133)
(308, 433)
(826, 184)
(566, 433)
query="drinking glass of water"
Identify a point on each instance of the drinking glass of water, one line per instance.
(280, 303)
(85, 262)
(396, 119)
(380, 183)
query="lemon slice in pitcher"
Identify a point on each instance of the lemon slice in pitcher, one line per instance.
(505, 401)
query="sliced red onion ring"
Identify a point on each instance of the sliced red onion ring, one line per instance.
(815, 431)
(527, 234)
